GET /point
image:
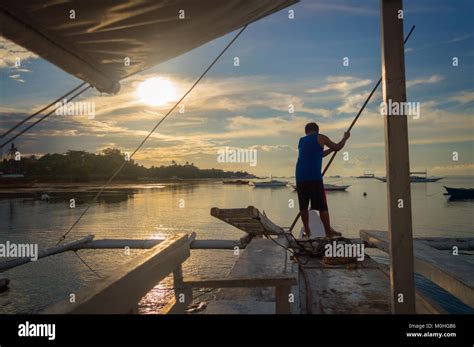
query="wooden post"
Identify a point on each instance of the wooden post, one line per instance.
(397, 161)
(183, 295)
(282, 300)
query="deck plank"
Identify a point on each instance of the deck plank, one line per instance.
(262, 258)
(344, 290)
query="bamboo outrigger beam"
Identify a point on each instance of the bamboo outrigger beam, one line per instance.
(88, 242)
(73, 245)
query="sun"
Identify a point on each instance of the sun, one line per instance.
(156, 91)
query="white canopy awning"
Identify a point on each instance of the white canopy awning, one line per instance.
(96, 44)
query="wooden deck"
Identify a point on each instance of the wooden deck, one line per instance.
(360, 288)
(267, 262)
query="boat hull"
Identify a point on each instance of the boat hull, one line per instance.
(460, 193)
(415, 179)
(237, 182)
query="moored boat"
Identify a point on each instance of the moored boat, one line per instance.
(269, 184)
(334, 187)
(367, 175)
(416, 179)
(460, 193)
(236, 182)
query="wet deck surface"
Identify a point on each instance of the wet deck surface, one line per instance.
(262, 258)
(360, 288)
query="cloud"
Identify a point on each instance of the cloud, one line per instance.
(426, 80)
(10, 52)
(463, 97)
(341, 84)
(460, 38)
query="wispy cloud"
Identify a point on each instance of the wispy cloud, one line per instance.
(341, 84)
(460, 38)
(10, 52)
(425, 80)
(463, 97)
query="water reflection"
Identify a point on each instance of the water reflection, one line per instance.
(156, 210)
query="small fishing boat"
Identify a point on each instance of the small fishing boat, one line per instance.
(367, 175)
(330, 187)
(236, 182)
(460, 193)
(15, 181)
(416, 179)
(334, 187)
(269, 184)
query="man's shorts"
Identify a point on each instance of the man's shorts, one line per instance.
(312, 191)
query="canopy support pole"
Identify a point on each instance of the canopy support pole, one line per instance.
(397, 160)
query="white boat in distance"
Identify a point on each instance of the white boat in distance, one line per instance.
(416, 179)
(269, 184)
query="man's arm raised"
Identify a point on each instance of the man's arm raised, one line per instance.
(326, 152)
(332, 145)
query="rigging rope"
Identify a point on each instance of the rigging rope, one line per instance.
(42, 118)
(42, 110)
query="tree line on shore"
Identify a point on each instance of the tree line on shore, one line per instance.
(84, 166)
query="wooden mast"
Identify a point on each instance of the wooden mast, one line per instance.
(397, 160)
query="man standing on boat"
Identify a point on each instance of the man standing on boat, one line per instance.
(309, 179)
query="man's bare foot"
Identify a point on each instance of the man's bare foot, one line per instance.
(333, 233)
(307, 233)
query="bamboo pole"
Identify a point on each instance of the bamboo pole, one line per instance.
(73, 245)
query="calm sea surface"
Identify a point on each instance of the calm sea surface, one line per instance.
(157, 210)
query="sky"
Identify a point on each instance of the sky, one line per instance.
(283, 62)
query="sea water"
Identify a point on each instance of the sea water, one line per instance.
(158, 210)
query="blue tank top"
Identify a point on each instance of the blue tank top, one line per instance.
(310, 159)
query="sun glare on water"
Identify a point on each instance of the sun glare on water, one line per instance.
(156, 91)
